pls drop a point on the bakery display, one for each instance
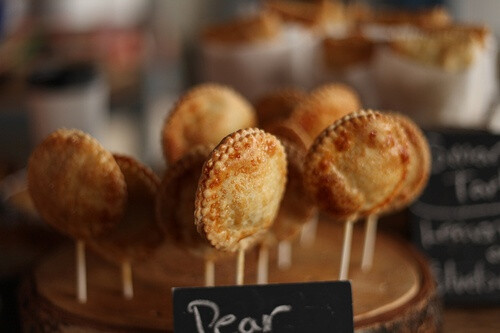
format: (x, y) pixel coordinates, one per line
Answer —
(276, 152)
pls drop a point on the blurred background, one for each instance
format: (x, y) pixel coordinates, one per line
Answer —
(113, 69)
(130, 58)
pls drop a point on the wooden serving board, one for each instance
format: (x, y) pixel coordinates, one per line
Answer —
(398, 294)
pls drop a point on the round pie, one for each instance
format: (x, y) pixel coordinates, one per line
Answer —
(324, 106)
(240, 189)
(357, 165)
(204, 116)
(76, 185)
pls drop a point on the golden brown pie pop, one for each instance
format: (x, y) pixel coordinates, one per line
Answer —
(78, 188)
(76, 185)
(357, 165)
(355, 168)
(203, 116)
(240, 190)
(324, 106)
(137, 234)
(175, 207)
(278, 105)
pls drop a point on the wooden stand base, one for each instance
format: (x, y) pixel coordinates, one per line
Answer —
(397, 295)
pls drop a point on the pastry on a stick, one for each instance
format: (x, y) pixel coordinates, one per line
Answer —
(239, 192)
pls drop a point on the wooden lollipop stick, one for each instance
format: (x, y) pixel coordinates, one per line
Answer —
(81, 272)
(127, 284)
(346, 248)
(240, 267)
(263, 264)
(369, 244)
(209, 273)
(284, 255)
(308, 232)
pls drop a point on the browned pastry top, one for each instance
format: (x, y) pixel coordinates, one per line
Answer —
(203, 116)
(452, 48)
(76, 185)
(240, 189)
(339, 53)
(357, 165)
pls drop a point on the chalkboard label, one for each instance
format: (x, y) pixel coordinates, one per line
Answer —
(299, 307)
(456, 221)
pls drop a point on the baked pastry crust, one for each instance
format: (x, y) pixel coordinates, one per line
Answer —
(324, 106)
(203, 116)
(452, 48)
(314, 15)
(357, 165)
(76, 185)
(340, 53)
(137, 235)
(240, 189)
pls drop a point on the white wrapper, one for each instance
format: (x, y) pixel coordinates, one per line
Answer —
(434, 97)
(256, 69)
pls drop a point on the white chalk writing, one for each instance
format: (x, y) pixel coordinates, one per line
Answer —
(214, 323)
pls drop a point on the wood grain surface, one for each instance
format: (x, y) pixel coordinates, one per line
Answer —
(397, 295)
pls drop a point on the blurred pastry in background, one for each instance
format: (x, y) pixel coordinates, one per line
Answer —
(203, 116)
(278, 105)
(324, 106)
(442, 77)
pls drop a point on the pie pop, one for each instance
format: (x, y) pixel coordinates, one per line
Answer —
(239, 191)
(354, 168)
(78, 188)
(204, 116)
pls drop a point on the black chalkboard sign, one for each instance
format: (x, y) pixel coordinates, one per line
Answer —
(300, 307)
(456, 221)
